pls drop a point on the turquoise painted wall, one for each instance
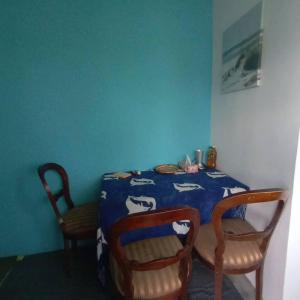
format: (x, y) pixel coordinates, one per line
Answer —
(96, 86)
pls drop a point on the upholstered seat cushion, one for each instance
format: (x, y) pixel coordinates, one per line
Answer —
(155, 283)
(237, 255)
(81, 220)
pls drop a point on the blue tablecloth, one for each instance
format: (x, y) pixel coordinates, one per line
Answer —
(150, 191)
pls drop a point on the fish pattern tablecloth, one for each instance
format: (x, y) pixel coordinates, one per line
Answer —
(150, 191)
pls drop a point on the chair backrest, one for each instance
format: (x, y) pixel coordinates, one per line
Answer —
(152, 219)
(63, 192)
(249, 197)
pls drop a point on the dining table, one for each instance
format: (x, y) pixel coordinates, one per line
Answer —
(150, 190)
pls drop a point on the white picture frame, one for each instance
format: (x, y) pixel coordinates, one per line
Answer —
(242, 51)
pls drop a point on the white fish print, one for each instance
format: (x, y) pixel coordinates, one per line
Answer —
(100, 241)
(185, 187)
(139, 204)
(229, 191)
(141, 181)
(180, 173)
(181, 227)
(215, 174)
(110, 177)
(103, 194)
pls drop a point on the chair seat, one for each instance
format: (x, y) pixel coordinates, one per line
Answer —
(154, 283)
(237, 255)
(81, 221)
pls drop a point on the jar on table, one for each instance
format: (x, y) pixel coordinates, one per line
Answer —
(211, 157)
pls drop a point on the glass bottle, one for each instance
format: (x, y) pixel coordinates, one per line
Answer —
(211, 157)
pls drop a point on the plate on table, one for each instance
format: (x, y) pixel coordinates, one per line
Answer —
(167, 169)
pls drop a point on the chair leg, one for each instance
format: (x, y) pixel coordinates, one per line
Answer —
(183, 295)
(67, 257)
(218, 282)
(259, 282)
(185, 268)
(74, 245)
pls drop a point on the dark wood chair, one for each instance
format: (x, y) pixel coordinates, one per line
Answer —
(233, 246)
(78, 223)
(153, 268)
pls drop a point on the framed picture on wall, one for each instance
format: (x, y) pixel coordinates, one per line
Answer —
(242, 49)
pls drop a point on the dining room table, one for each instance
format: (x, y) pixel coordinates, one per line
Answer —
(150, 190)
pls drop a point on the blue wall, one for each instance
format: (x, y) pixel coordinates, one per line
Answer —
(95, 86)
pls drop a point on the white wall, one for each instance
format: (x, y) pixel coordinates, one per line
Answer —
(256, 130)
(291, 287)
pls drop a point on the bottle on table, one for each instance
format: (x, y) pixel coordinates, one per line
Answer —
(198, 158)
(211, 157)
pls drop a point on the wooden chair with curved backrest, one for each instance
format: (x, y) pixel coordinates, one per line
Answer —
(79, 223)
(153, 268)
(233, 246)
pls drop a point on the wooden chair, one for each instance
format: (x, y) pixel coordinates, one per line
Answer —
(79, 223)
(233, 246)
(153, 268)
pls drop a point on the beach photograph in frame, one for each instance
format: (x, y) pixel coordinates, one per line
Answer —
(242, 48)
